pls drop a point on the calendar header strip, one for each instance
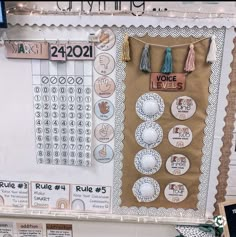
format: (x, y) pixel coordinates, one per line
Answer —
(27, 49)
(80, 50)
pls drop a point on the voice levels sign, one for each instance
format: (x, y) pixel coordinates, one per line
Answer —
(167, 82)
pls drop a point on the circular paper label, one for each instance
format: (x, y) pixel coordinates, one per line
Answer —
(177, 164)
(103, 153)
(106, 39)
(104, 132)
(180, 136)
(104, 109)
(183, 107)
(175, 192)
(104, 64)
(104, 86)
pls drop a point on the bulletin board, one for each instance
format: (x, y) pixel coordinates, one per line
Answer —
(197, 79)
(74, 136)
(126, 203)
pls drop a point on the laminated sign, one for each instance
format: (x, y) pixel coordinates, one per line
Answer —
(167, 82)
(26, 49)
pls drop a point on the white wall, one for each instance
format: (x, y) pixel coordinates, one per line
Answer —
(107, 229)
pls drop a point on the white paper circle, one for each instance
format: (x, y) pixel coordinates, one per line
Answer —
(180, 136)
(147, 161)
(176, 192)
(150, 106)
(177, 164)
(149, 134)
(183, 108)
(146, 189)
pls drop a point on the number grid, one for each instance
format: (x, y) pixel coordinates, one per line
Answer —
(63, 112)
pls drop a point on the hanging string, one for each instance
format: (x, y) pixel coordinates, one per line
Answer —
(168, 46)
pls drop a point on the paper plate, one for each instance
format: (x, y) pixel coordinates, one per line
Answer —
(146, 189)
(149, 134)
(150, 106)
(147, 161)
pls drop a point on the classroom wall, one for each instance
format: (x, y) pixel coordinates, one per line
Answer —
(107, 229)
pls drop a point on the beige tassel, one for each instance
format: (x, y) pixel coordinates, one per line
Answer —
(126, 50)
(190, 62)
(211, 57)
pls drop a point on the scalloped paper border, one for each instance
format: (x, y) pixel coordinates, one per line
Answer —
(119, 21)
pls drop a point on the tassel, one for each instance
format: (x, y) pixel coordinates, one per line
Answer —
(145, 65)
(126, 50)
(190, 62)
(167, 66)
(211, 57)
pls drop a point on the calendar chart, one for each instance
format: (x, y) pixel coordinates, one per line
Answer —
(63, 100)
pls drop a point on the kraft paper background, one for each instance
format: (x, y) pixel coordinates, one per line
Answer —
(137, 83)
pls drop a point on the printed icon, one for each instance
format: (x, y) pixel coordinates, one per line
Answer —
(104, 64)
(180, 136)
(104, 132)
(104, 109)
(177, 164)
(104, 87)
(78, 204)
(106, 39)
(176, 192)
(183, 107)
(104, 61)
(103, 153)
(62, 203)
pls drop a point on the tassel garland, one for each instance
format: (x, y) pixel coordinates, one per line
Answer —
(190, 62)
(167, 66)
(126, 50)
(211, 57)
(145, 65)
